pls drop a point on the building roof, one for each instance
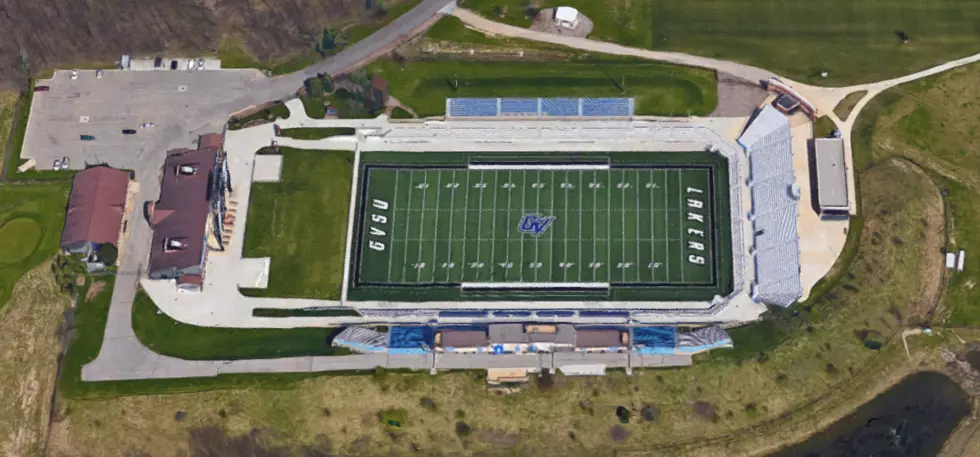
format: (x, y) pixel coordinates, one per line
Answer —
(211, 140)
(598, 338)
(95, 207)
(182, 211)
(516, 334)
(566, 14)
(462, 338)
(831, 173)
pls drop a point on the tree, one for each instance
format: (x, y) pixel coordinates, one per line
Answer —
(107, 253)
(315, 89)
(329, 40)
(327, 83)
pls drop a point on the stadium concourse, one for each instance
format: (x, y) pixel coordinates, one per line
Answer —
(560, 147)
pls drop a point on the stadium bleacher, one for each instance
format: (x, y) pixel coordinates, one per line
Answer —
(774, 215)
(540, 107)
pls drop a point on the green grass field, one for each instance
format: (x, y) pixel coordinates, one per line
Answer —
(639, 223)
(854, 40)
(31, 219)
(623, 225)
(301, 223)
(659, 89)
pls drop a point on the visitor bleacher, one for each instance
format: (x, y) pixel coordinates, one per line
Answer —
(540, 107)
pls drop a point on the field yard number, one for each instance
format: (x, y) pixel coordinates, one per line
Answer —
(695, 206)
(380, 220)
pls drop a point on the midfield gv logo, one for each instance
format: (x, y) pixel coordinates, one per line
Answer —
(535, 224)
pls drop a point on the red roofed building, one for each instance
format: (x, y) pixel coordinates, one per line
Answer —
(95, 209)
(186, 220)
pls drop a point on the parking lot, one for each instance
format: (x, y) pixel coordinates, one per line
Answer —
(104, 107)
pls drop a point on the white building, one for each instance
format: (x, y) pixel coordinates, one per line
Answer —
(566, 16)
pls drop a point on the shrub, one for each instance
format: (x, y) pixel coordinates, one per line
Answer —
(623, 413)
(108, 254)
(463, 429)
(393, 417)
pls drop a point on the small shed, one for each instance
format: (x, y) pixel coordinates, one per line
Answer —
(567, 17)
(831, 178)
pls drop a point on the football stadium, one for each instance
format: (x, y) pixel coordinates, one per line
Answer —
(572, 209)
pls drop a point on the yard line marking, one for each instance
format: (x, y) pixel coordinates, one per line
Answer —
(551, 240)
(666, 229)
(408, 224)
(507, 257)
(680, 215)
(435, 245)
(595, 246)
(537, 207)
(609, 225)
(653, 232)
(394, 213)
(564, 276)
(479, 228)
(523, 206)
(466, 206)
(622, 205)
(452, 209)
(580, 259)
(637, 171)
(425, 179)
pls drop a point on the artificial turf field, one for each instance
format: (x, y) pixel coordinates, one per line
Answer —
(632, 225)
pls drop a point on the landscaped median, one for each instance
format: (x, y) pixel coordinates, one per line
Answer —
(315, 133)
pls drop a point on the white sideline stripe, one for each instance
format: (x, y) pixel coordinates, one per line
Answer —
(535, 285)
(536, 167)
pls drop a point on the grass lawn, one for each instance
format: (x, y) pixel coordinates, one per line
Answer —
(843, 109)
(360, 31)
(315, 133)
(31, 219)
(854, 40)
(935, 122)
(29, 347)
(398, 113)
(659, 89)
(301, 223)
(279, 312)
(278, 110)
(166, 336)
(823, 127)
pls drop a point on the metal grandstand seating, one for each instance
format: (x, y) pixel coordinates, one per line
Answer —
(361, 339)
(540, 107)
(519, 107)
(607, 106)
(559, 107)
(774, 208)
(473, 107)
(703, 339)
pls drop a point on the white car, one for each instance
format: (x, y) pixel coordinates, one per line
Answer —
(65, 163)
(200, 63)
(98, 74)
(145, 125)
(56, 165)
(190, 64)
(74, 74)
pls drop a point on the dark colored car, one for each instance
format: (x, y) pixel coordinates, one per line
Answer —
(129, 131)
(42, 89)
(173, 64)
(158, 62)
(87, 137)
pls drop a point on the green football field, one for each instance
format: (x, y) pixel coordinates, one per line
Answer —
(643, 225)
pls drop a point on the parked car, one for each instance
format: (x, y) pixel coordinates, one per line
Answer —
(200, 63)
(41, 88)
(129, 131)
(87, 137)
(65, 163)
(158, 62)
(56, 165)
(146, 125)
(173, 64)
(98, 73)
(190, 64)
(74, 74)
